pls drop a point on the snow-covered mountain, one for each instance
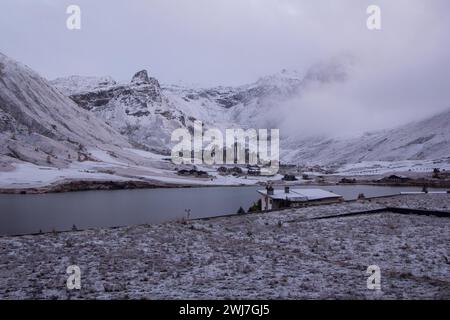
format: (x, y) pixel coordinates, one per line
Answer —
(46, 137)
(426, 139)
(138, 110)
(40, 125)
(47, 141)
(148, 112)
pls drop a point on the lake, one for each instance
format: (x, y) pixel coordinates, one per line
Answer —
(24, 214)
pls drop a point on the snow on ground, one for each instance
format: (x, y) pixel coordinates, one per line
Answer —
(27, 175)
(105, 157)
(133, 164)
(108, 166)
(384, 167)
(215, 180)
(274, 255)
(147, 154)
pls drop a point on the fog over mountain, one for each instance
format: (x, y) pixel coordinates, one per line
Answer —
(147, 113)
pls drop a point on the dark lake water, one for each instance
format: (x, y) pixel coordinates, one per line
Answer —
(23, 214)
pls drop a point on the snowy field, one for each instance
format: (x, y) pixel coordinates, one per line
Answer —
(141, 166)
(145, 166)
(384, 167)
(278, 255)
(137, 165)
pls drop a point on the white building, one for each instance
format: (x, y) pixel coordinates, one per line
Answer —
(276, 199)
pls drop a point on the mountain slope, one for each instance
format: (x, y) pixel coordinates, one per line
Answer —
(426, 139)
(40, 125)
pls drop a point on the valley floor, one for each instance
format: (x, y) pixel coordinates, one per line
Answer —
(144, 170)
(277, 255)
(149, 170)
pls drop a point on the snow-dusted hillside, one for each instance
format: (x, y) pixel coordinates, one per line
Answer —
(426, 139)
(40, 125)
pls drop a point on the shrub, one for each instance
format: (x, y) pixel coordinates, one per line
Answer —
(241, 210)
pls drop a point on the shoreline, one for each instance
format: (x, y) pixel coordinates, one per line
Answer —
(92, 185)
(98, 185)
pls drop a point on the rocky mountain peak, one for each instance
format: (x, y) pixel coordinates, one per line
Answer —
(140, 77)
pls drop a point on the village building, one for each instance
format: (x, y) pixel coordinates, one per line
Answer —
(235, 171)
(272, 199)
(253, 170)
(193, 173)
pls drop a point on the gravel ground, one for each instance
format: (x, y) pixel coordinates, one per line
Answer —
(278, 255)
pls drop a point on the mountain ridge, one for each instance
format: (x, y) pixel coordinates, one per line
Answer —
(247, 106)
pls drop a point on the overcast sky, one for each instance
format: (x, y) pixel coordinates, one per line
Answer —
(405, 66)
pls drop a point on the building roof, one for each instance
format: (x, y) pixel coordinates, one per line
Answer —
(300, 194)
